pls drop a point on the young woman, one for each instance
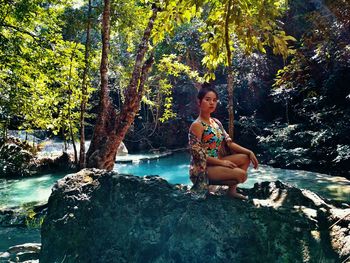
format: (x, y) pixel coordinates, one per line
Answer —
(209, 164)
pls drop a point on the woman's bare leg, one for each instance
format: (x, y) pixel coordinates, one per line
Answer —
(242, 161)
(221, 175)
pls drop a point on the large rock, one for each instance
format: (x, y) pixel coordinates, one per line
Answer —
(62, 163)
(14, 160)
(18, 159)
(97, 216)
(27, 215)
(122, 150)
(26, 253)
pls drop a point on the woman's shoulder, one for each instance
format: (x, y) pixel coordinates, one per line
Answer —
(196, 126)
(216, 120)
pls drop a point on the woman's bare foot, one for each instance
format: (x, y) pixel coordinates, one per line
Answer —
(212, 189)
(234, 194)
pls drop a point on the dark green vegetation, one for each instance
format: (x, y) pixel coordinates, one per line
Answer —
(18, 158)
(290, 105)
(15, 157)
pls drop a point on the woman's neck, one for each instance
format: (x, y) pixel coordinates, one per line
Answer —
(205, 117)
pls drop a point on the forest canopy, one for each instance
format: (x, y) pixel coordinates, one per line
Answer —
(274, 62)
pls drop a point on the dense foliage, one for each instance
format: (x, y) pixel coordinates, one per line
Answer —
(315, 89)
(292, 107)
(40, 71)
(15, 158)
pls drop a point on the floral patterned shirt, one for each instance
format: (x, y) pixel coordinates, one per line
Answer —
(209, 145)
(212, 137)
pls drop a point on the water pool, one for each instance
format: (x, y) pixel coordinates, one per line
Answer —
(11, 236)
(174, 169)
(15, 192)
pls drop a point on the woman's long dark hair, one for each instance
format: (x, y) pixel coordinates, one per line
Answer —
(206, 87)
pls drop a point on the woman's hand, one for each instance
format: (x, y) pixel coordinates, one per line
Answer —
(253, 159)
(227, 163)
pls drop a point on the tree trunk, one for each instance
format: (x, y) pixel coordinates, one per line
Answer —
(287, 115)
(65, 147)
(191, 61)
(110, 129)
(107, 115)
(69, 107)
(230, 72)
(74, 146)
(230, 89)
(82, 156)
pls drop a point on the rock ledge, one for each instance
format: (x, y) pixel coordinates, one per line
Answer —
(98, 216)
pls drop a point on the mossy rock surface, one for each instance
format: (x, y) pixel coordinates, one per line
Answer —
(98, 216)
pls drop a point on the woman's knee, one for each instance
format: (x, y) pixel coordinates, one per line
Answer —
(242, 175)
(242, 160)
(245, 161)
(245, 177)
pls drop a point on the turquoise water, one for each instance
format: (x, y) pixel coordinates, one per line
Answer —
(20, 191)
(25, 190)
(12, 236)
(175, 170)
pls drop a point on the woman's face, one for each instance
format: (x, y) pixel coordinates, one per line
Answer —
(209, 102)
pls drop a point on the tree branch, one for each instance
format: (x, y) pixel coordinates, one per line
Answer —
(144, 73)
(143, 47)
(21, 30)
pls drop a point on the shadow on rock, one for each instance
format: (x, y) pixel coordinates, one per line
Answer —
(98, 216)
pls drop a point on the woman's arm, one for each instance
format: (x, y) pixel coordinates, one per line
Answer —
(236, 147)
(219, 162)
(239, 149)
(197, 129)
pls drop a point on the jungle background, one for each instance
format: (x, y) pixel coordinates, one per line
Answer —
(291, 105)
